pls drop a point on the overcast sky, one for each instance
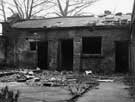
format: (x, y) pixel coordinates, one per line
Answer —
(114, 6)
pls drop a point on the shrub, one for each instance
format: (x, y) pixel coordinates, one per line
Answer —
(130, 80)
(76, 89)
(8, 96)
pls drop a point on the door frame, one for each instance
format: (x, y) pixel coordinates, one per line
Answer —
(127, 54)
(59, 53)
(46, 45)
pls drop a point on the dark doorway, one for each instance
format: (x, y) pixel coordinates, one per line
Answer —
(66, 54)
(43, 55)
(121, 56)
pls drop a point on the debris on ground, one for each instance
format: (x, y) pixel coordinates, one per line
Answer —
(130, 81)
(105, 80)
(88, 72)
(75, 83)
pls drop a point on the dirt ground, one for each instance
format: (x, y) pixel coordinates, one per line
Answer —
(115, 91)
(38, 94)
(110, 89)
(47, 86)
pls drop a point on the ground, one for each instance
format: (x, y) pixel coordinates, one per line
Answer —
(110, 89)
(108, 92)
(38, 94)
(47, 86)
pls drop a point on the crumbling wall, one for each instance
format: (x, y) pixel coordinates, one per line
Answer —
(19, 48)
(52, 54)
(10, 35)
(24, 57)
(18, 51)
(77, 54)
(2, 50)
(105, 62)
(54, 36)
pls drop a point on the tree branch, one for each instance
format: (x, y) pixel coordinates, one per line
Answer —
(58, 14)
(25, 7)
(41, 3)
(66, 8)
(72, 10)
(11, 10)
(3, 10)
(60, 7)
(80, 9)
(18, 9)
(31, 9)
(37, 12)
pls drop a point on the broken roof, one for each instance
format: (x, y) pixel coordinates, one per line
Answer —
(57, 22)
(80, 21)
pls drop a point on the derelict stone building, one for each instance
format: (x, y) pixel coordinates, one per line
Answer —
(71, 43)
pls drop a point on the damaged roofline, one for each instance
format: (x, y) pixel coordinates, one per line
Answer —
(94, 27)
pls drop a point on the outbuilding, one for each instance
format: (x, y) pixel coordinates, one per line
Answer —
(70, 43)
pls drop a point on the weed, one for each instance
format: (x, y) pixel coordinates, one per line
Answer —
(8, 96)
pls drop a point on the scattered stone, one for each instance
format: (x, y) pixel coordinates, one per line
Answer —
(36, 79)
(88, 72)
(37, 68)
(30, 72)
(25, 71)
(49, 84)
(29, 77)
(52, 79)
(21, 80)
(9, 78)
(105, 80)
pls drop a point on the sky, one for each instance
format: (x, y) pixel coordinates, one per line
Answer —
(114, 6)
(124, 6)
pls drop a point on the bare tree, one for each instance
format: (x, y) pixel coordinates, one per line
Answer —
(70, 7)
(27, 8)
(30, 8)
(2, 10)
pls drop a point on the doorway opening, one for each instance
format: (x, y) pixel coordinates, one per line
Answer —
(66, 54)
(43, 55)
(121, 57)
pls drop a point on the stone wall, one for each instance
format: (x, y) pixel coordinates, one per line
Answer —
(20, 49)
(104, 62)
(2, 50)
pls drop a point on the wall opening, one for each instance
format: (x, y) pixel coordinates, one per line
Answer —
(121, 57)
(43, 55)
(32, 45)
(1, 29)
(66, 54)
(91, 45)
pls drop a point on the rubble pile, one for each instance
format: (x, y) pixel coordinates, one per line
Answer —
(9, 78)
(74, 82)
